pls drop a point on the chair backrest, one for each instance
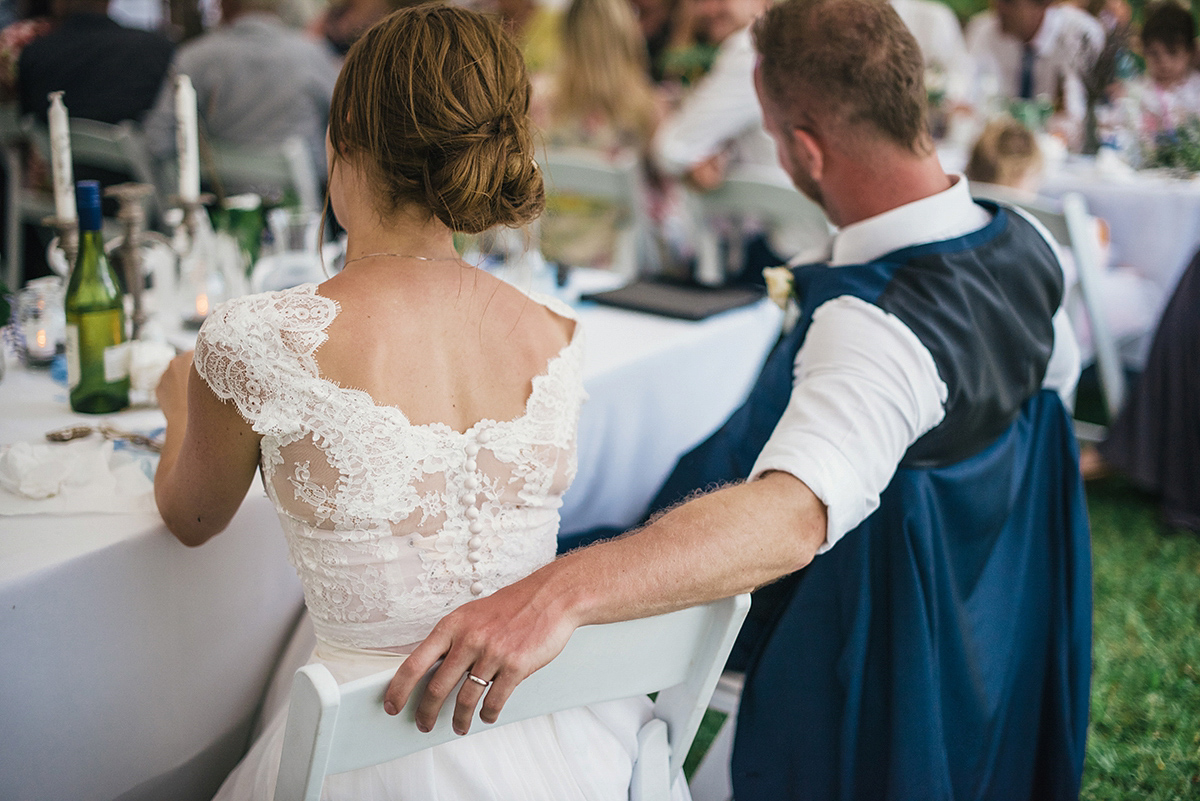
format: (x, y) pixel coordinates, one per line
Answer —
(759, 195)
(593, 174)
(1068, 222)
(332, 729)
(263, 170)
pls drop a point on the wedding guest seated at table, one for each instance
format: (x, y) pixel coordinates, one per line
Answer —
(437, 479)
(1026, 49)
(599, 100)
(718, 123)
(1007, 155)
(1155, 440)
(1169, 94)
(258, 83)
(535, 28)
(107, 72)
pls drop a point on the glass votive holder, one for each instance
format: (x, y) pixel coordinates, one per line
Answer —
(42, 320)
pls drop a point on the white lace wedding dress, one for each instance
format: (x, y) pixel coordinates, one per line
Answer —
(390, 526)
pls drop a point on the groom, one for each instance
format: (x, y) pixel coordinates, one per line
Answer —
(904, 464)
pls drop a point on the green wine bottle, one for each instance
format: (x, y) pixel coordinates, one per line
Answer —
(97, 353)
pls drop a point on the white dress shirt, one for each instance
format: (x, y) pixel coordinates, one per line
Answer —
(1065, 48)
(865, 387)
(720, 113)
(940, 37)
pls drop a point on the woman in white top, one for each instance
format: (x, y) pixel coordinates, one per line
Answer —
(414, 418)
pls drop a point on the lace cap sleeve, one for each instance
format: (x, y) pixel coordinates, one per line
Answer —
(256, 351)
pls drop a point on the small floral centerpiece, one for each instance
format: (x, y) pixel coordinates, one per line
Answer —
(1176, 149)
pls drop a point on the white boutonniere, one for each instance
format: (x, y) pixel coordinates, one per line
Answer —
(779, 285)
(782, 291)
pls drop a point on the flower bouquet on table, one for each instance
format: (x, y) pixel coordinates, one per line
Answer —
(1176, 149)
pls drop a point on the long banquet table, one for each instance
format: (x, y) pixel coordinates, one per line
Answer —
(132, 666)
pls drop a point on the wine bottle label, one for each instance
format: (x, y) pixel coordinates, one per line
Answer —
(72, 356)
(116, 362)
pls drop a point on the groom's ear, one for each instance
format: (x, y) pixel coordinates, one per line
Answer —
(810, 151)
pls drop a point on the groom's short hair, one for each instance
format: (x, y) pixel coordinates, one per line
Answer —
(852, 60)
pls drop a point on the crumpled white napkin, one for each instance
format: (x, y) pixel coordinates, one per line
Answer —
(84, 476)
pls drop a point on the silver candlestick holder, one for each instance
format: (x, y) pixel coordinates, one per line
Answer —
(68, 238)
(131, 213)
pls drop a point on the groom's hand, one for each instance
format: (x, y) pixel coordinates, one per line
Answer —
(500, 640)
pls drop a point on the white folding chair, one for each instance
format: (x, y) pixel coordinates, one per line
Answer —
(1069, 224)
(712, 780)
(749, 194)
(332, 729)
(266, 170)
(593, 175)
(119, 148)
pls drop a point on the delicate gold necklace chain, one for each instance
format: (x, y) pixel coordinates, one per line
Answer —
(396, 255)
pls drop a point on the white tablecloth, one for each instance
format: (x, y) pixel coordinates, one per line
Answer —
(131, 666)
(1153, 219)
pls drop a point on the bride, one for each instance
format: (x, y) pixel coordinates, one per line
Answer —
(413, 417)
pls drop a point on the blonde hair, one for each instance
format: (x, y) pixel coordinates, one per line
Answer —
(435, 100)
(603, 68)
(1005, 154)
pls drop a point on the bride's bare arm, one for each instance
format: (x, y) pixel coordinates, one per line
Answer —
(729, 541)
(208, 457)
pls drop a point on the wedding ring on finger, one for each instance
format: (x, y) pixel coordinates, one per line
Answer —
(477, 680)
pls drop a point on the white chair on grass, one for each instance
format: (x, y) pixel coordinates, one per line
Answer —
(1068, 222)
(593, 175)
(332, 729)
(759, 196)
(712, 780)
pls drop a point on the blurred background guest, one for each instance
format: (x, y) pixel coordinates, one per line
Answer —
(719, 123)
(107, 73)
(33, 21)
(258, 83)
(1032, 48)
(1169, 93)
(937, 31)
(599, 99)
(536, 30)
(1155, 440)
(341, 23)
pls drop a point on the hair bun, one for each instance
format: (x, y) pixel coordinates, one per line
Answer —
(436, 100)
(487, 178)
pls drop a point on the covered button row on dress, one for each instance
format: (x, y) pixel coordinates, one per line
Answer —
(469, 497)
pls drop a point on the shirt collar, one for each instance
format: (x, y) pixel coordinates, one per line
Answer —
(948, 214)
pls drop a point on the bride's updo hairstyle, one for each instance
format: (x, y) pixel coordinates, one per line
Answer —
(434, 101)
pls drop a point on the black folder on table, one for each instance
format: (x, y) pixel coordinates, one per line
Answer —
(672, 299)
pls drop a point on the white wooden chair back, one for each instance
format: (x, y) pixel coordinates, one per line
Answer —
(594, 175)
(332, 729)
(265, 169)
(749, 194)
(1068, 222)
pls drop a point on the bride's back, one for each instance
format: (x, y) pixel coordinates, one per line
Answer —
(452, 345)
(428, 134)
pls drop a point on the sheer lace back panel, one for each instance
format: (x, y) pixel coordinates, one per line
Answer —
(390, 525)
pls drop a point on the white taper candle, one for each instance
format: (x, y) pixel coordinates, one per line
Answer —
(60, 159)
(187, 140)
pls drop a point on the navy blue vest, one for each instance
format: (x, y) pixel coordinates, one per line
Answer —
(942, 649)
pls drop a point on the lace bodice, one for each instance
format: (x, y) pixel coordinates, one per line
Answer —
(390, 525)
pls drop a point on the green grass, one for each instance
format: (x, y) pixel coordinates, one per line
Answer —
(1144, 739)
